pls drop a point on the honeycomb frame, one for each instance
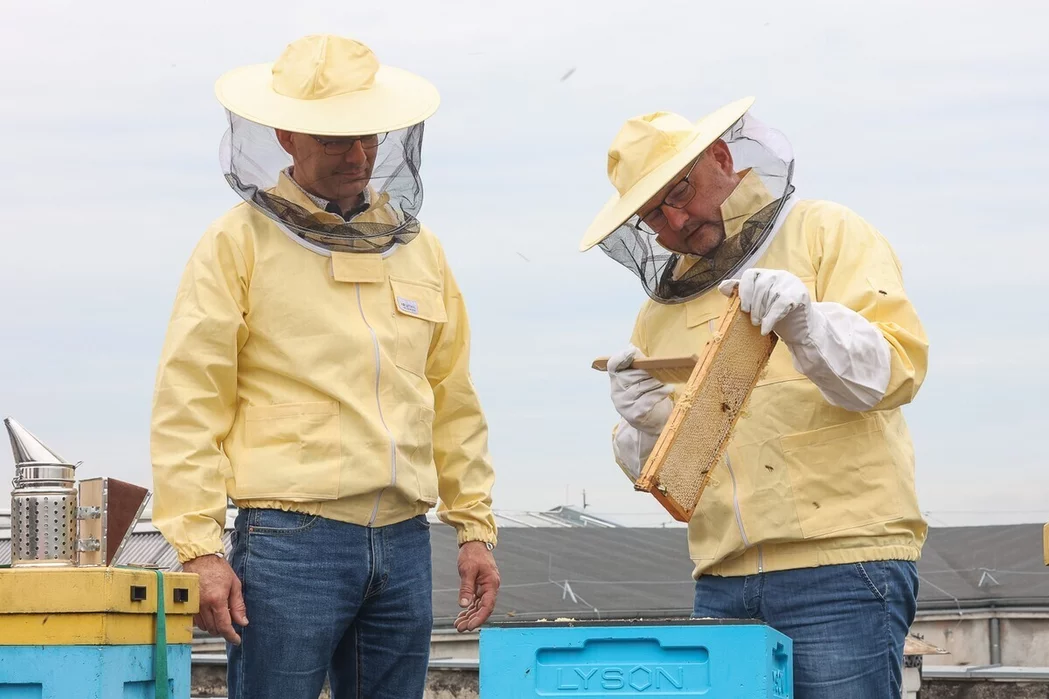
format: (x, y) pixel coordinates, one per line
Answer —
(701, 424)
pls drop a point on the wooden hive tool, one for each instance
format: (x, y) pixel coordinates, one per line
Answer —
(664, 369)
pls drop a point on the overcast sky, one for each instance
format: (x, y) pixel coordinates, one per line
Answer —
(927, 118)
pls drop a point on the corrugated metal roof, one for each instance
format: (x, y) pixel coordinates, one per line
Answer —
(564, 516)
(584, 573)
(147, 547)
(152, 549)
(997, 565)
(592, 571)
(143, 548)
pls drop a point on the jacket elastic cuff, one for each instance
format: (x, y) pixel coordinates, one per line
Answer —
(476, 533)
(187, 552)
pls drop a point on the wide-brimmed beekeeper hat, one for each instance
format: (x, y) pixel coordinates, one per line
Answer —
(648, 153)
(327, 85)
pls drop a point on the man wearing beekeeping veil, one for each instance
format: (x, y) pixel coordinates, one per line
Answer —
(810, 522)
(316, 371)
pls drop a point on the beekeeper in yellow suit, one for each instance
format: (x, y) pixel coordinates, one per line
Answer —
(811, 522)
(316, 371)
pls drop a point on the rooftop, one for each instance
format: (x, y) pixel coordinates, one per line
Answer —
(564, 562)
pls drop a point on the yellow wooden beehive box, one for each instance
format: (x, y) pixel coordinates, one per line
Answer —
(93, 606)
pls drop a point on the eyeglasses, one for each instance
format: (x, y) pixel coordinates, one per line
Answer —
(679, 196)
(343, 144)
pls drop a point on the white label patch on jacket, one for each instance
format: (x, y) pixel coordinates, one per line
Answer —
(408, 306)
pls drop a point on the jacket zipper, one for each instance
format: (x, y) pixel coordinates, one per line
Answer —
(378, 403)
(739, 514)
(735, 502)
(735, 498)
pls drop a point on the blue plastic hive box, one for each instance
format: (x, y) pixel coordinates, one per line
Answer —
(89, 672)
(713, 659)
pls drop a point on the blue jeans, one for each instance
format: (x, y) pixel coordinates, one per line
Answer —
(329, 598)
(847, 622)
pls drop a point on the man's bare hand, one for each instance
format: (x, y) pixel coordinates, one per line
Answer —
(221, 599)
(479, 585)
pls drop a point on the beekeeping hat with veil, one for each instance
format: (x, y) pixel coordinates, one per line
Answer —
(332, 89)
(654, 150)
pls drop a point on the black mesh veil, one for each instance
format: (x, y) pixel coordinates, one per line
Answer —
(258, 168)
(752, 213)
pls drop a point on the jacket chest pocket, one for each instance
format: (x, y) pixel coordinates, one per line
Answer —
(701, 322)
(418, 308)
